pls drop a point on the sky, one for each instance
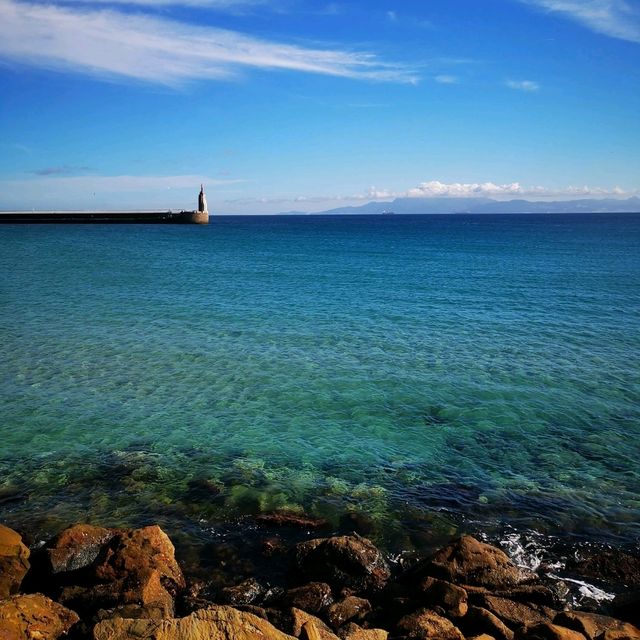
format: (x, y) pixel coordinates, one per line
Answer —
(305, 105)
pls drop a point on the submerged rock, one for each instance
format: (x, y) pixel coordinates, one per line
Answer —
(293, 520)
(343, 561)
(34, 617)
(14, 561)
(213, 623)
(247, 592)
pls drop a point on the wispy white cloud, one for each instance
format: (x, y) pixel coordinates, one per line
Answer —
(614, 18)
(446, 79)
(523, 85)
(154, 49)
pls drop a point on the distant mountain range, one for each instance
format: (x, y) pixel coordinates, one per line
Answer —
(487, 205)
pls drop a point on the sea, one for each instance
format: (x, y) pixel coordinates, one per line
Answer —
(408, 376)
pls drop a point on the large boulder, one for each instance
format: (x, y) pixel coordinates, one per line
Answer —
(592, 625)
(342, 561)
(132, 572)
(468, 561)
(14, 561)
(34, 617)
(425, 625)
(213, 623)
(353, 631)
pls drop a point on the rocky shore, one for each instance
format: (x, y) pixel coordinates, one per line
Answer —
(114, 584)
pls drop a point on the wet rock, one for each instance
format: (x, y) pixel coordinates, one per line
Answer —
(343, 561)
(352, 631)
(213, 623)
(469, 561)
(312, 598)
(34, 617)
(347, 609)
(451, 598)
(548, 631)
(77, 547)
(592, 625)
(517, 614)
(247, 592)
(293, 520)
(611, 566)
(479, 621)
(425, 624)
(14, 561)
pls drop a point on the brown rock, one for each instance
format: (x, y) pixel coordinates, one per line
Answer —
(482, 636)
(469, 561)
(548, 631)
(343, 561)
(593, 625)
(312, 598)
(213, 623)
(34, 617)
(301, 618)
(425, 624)
(140, 551)
(14, 561)
(352, 631)
(517, 614)
(349, 608)
(77, 547)
(480, 621)
(439, 593)
(623, 633)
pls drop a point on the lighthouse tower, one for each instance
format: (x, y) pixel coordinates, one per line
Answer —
(202, 201)
(201, 216)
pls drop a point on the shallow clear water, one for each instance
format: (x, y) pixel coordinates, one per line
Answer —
(436, 370)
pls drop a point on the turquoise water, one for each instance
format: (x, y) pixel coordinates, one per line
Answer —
(420, 372)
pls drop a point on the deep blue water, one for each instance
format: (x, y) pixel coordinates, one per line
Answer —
(419, 372)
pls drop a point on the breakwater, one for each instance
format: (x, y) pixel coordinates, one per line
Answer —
(102, 217)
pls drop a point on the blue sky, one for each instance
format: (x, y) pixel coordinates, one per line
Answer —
(281, 105)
